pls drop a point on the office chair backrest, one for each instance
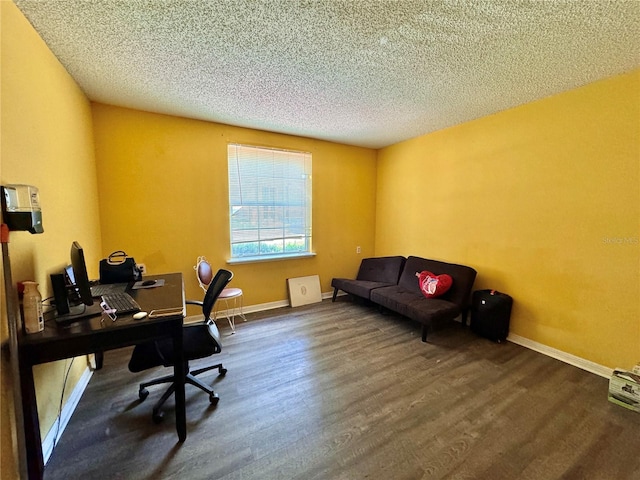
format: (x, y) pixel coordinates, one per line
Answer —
(219, 282)
(204, 273)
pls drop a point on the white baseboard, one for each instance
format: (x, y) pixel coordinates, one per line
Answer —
(568, 358)
(587, 365)
(327, 295)
(260, 307)
(281, 303)
(51, 439)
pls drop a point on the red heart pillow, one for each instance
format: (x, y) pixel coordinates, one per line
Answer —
(432, 285)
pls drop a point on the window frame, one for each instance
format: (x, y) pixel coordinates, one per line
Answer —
(285, 205)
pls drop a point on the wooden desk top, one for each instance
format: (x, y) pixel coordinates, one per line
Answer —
(89, 335)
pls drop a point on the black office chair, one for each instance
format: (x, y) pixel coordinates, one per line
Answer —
(199, 339)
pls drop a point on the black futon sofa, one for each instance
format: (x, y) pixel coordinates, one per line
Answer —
(391, 283)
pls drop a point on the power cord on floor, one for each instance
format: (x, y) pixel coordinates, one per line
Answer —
(64, 386)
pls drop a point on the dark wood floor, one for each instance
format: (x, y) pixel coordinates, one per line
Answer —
(339, 391)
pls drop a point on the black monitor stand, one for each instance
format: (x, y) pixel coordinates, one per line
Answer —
(65, 313)
(78, 312)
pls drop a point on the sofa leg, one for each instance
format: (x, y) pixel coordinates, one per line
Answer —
(424, 333)
(335, 292)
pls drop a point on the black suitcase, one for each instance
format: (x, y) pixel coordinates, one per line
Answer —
(490, 314)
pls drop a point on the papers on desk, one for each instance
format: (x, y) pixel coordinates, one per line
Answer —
(166, 312)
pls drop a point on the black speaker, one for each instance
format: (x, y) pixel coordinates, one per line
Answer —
(491, 314)
(60, 293)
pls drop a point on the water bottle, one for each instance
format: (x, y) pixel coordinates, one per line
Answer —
(32, 307)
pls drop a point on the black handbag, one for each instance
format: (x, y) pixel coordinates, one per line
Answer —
(119, 268)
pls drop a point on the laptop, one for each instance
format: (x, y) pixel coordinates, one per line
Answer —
(97, 289)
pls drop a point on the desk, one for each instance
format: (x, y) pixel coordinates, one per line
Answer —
(96, 334)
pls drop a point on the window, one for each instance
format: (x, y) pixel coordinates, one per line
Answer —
(269, 202)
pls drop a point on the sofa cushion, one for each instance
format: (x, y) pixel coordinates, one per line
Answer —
(432, 285)
(360, 288)
(463, 278)
(414, 305)
(381, 269)
(373, 273)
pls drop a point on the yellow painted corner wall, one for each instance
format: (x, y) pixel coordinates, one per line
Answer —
(47, 141)
(164, 199)
(544, 201)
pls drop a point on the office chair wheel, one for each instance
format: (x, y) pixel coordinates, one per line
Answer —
(143, 393)
(214, 399)
(223, 372)
(158, 416)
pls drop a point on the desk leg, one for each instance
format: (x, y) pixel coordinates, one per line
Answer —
(33, 441)
(179, 376)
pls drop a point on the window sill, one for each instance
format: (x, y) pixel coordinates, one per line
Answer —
(270, 258)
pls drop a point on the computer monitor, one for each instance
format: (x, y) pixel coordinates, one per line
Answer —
(80, 274)
(78, 283)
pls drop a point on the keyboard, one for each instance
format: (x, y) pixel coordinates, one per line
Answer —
(107, 289)
(122, 302)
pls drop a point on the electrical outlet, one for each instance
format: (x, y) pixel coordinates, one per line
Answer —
(358, 249)
(142, 267)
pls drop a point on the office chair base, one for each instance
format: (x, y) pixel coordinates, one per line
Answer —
(190, 379)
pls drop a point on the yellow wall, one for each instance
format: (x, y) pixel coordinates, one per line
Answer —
(47, 141)
(544, 201)
(164, 199)
(163, 193)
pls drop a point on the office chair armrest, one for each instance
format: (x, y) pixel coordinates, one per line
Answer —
(193, 302)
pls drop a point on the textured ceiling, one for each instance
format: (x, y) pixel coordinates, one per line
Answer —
(359, 72)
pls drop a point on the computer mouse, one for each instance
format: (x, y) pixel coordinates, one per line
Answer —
(139, 315)
(148, 283)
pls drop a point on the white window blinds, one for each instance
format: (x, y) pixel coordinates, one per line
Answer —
(269, 202)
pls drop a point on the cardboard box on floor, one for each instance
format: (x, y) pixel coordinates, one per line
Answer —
(624, 389)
